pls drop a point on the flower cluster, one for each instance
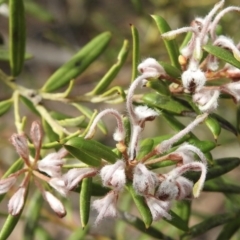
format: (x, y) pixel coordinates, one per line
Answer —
(197, 71)
(159, 190)
(40, 170)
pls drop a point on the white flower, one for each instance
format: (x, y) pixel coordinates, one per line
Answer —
(6, 184)
(233, 89)
(158, 208)
(114, 175)
(207, 100)
(106, 206)
(185, 187)
(75, 175)
(186, 151)
(16, 202)
(144, 181)
(168, 189)
(55, 204)
(151, 65)
(145, 113)
(59, 185)
(193, 79)
(51, 165)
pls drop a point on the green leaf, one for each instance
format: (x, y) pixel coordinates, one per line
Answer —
(160, 86)
(209, 223)
(33, 215)
(229, 229)
(214, 127)
(177, 221)
(145, 147)
(85, 200)
(112, 72)
(91, 148)
(171, 45)
(164, 103)
(219, 186)
(141, 206)
(135, 51)
(83, 156)
(5, 105)
(225, 124)
(30, 105)
(204, 146)
(78, 63)
(184, 210)
(222, 54)
(52, 136)
(171, 70)
(219, 167)
(17, 36)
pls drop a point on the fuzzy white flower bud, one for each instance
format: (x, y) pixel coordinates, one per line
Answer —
(75, 175)
(55, 204)
(51, 165)
(207, 100)
(6, 184)
(185, 187)
(106, 206)
(145, 113)
(158, 208)
(151, 65)
(233, 89)
(114, 175)
(144, 181)
(16, 202)
(193, 79)
(59, 185)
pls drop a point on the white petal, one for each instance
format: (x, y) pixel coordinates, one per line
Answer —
(16, 202)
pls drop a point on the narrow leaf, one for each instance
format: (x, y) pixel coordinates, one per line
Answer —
(135, 51)
(171, 45)
(222, 54)
(229, 229)
(209, 223)
(85, 200)
(164, 103)
(218, 186)
(17, 36)
(79, 62)
(145, 147)
(141, 206)
(112, 72)
(5, 105)
(92, 148)
(214, 127)
(177, 221)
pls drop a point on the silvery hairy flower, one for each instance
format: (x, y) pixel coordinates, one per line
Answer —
(206, 99)
(75, 175)
(114, 175)
(106, 206)
(232, 88)
(16, 202)
(55, 204)
(158, 208)
(151, 65)
(193, 79)
(144, 180)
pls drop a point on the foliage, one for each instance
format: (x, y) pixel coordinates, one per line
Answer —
(159, 175)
